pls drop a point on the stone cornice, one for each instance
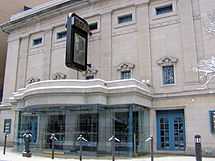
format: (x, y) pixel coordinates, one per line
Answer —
(5, 107)
(102, 87)
(196, 92)
(41, 12)
(82, 87)
(57, 7)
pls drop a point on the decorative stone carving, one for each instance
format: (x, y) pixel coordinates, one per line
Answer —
(59, 75)
(32, 80)
(167, 60)
(91, 71)
(210, 22)
(125, 67)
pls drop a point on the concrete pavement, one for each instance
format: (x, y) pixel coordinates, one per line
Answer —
(14, 156)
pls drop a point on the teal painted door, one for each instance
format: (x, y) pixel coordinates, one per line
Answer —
(170, 130)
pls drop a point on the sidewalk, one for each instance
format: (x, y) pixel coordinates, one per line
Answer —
(13, 156)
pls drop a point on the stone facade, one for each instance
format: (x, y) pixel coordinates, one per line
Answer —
(6, 10)
(155, 37)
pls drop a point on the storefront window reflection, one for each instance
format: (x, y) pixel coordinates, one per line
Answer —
(129, 123)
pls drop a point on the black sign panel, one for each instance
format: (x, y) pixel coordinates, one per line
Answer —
(7, 126)
(77, 42)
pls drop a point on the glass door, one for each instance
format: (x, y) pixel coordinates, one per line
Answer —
(29, 123)
(179, 135)
(164, 132)
(89, 129)
(56, 125)
(171, 130)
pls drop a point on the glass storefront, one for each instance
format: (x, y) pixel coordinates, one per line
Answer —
(97, 123)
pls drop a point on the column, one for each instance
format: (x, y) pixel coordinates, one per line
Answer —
(42, 126)
(70, 129)
(22, 63)
(188, 41)
(105, 130)
(130, 131)
(16, 129)
(47, 54)
(143, 37)
(106, 52)
(11, 67)
(198, 29)
(141, 132)
(152, 126)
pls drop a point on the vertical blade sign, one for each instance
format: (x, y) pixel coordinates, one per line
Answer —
(77, 42)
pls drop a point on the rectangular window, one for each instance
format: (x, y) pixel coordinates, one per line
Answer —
(37, 41)
(7, 126)
(125, 18)
(168, 74)
(93, 26)
(212, 121)
(126, 74)
(61, 35)
(164, 9)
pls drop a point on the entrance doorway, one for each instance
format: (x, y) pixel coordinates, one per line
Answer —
(56, 125)
(29, 123)
(171, 130)
(89, 129)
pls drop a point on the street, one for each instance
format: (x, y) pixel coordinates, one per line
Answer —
(14, 156)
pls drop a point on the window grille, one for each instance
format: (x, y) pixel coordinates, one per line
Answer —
(126, 74)
(168, 75)
(212, 121)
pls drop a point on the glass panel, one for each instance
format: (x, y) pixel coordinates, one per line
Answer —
(164, 9)
(56, 125)
(164, 132)
(61, 35)
(125, 18)
(96, 123)
(212, 121)
(171, 134)
(168, 74)
(29, 123)
(79, 49)
(37, 41)
(89, 129)
(93, 26)
(179, 133)
(126, 74)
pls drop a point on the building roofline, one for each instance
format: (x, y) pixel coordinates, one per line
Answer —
(39, 11)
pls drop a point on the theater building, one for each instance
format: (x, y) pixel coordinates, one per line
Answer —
(139, 82)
